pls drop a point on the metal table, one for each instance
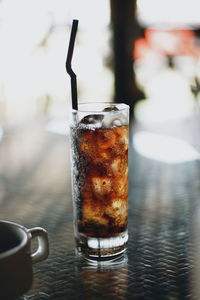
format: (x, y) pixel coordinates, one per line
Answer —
(162, 260)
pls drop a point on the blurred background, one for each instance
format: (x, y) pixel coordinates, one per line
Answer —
(144, 53)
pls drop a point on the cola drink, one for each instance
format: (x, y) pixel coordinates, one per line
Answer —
(99, 141)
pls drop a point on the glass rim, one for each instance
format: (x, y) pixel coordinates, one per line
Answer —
(103, 104)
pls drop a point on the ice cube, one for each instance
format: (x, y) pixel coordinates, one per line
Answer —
(122, 138)
(101, 185)
(116, 167)
(118, 208)
(93, 214)
(114, 119)
(106, 139)
(92, 121)
(111, 108)
(121, 186)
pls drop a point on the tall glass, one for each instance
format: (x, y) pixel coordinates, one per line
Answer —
(99, 160)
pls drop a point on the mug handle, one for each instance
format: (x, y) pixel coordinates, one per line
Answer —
(42, 251)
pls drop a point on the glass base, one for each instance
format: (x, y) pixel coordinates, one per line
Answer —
(100, 249)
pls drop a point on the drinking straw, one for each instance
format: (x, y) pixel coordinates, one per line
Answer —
(68, 64)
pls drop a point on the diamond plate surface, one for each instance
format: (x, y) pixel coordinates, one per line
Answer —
(162, 260)
(160, 251)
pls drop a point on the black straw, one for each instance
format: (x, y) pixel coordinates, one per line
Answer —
(68, 65)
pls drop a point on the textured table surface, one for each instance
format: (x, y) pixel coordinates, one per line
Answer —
(163, 257)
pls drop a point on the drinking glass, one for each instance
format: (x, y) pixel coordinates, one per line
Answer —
(99, 163)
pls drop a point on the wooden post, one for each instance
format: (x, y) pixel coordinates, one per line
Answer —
(125, 30)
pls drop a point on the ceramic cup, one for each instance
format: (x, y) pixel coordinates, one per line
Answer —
(16, 257)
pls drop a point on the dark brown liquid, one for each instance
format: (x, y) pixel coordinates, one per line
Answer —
(8, 240)
(103, 183)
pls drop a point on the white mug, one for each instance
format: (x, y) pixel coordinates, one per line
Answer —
(16, 258)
